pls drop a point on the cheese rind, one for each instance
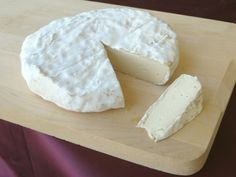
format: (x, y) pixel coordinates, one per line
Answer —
(107, 96)
(178, 105)
(66, 62)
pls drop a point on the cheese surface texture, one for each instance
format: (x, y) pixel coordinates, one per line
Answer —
(66, 62)
(178, 105)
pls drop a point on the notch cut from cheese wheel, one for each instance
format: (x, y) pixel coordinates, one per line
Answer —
(65, 62)
(139, 67)
(180, 103)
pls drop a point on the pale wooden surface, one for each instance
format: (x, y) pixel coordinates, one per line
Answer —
(207, 48)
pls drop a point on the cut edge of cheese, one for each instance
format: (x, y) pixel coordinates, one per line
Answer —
(180, 103)
(141, 67)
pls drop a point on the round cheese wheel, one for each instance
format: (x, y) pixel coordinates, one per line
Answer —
(69, 61)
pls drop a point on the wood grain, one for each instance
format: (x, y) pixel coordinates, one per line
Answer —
(207, 49)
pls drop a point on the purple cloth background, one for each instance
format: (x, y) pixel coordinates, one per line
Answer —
(27, 153)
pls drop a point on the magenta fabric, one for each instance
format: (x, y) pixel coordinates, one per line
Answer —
(6, 169)
(14, 157)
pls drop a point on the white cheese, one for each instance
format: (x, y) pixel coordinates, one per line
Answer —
(140, 67)
(178, 105)
(66, 61)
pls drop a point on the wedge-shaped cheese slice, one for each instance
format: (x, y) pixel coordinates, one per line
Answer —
(66, 61)
(178, 105)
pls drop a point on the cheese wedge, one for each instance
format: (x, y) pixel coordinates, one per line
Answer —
(66, 61)
(178, 105)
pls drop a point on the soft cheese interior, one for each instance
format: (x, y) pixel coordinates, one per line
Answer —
(140, 67)
(178, 105)
(66, 62)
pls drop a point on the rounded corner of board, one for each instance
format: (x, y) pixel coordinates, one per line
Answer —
(186, 167)
(192, 166)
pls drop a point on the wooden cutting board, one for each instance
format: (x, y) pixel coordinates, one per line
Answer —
(207, 50)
